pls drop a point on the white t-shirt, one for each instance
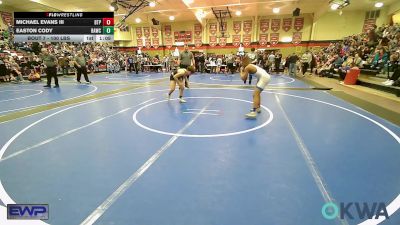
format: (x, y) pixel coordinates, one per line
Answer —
(219, 61)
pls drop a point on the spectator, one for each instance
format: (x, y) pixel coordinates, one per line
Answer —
(380, 59)
(252, 56)
(286, 65)
(63, 62)
(358, 60)
(16, 74)
(292, 64)
(201, 62)
(50, 62)
(271, 61)
(219, 64)
(313, 63)
(306, 61)
(346, 67)
(33, 76)
(278, 60)
(393, 77)
(186, 59)
(80, 65)
(3, 69)
(230, 60)
(132, 63)
(253, 59)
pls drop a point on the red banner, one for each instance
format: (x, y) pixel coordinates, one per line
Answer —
(236, 39)
(263, 40)
(167, 30)
(222, 41)
(168, 42)
(275, 24)
(156, 43)
(139, 33)
(147, 43)
(368, 25)
(197, 29)
(287, 24)
(246, 40)
(7, 18)
(298, 23)
(139, 42)
(296, 38)
(223, 27)
(247, 26)
(183, 36)
(213, 41)
(237, 26)
(198, 42)
(154, 32)
(264, 25)
(146, 31)
(213, 28)
(274, 38)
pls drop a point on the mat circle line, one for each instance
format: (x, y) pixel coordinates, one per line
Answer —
(136, 121)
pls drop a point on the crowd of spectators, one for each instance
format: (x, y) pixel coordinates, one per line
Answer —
(24, 60)
(376, 51)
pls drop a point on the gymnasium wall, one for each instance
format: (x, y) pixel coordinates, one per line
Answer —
(314, 34)
(123, 38)
(396, 18)
(2, 25)
(332, 26)
(394, 8)
(5, 9)
(189, 26)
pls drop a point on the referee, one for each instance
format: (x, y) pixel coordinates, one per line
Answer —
(185, 60)
(80, 65)
(50, 64)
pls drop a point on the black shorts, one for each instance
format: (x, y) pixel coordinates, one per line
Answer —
(171, 78)
(183, 66)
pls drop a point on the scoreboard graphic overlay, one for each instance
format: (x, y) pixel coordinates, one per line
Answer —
(63, 26)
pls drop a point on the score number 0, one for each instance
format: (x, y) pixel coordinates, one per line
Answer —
(108, 21)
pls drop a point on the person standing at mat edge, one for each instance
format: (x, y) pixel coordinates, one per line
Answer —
(179, 77)
(133, 63)
(185, 60)
(253, 59)
(263, 79)
(292, 64)
(50, 64)
(80, 65)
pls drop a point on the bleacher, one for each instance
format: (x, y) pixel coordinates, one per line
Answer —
(375, 82)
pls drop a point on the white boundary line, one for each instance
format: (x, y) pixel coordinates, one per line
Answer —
(244, 85)
(395, 204)
(208, 110)
(216, 76)
(312, 166)
(134, 118)
(69, 132)
(28, 107)
(4, 197)
(27, 96)
(102, 208)
(392, 207)
(17, 90)
(126, 77)
(204, 113)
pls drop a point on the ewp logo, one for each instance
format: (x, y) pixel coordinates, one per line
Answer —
(27, 211)
(331, 211)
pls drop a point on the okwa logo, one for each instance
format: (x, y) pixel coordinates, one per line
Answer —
(352, 210)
